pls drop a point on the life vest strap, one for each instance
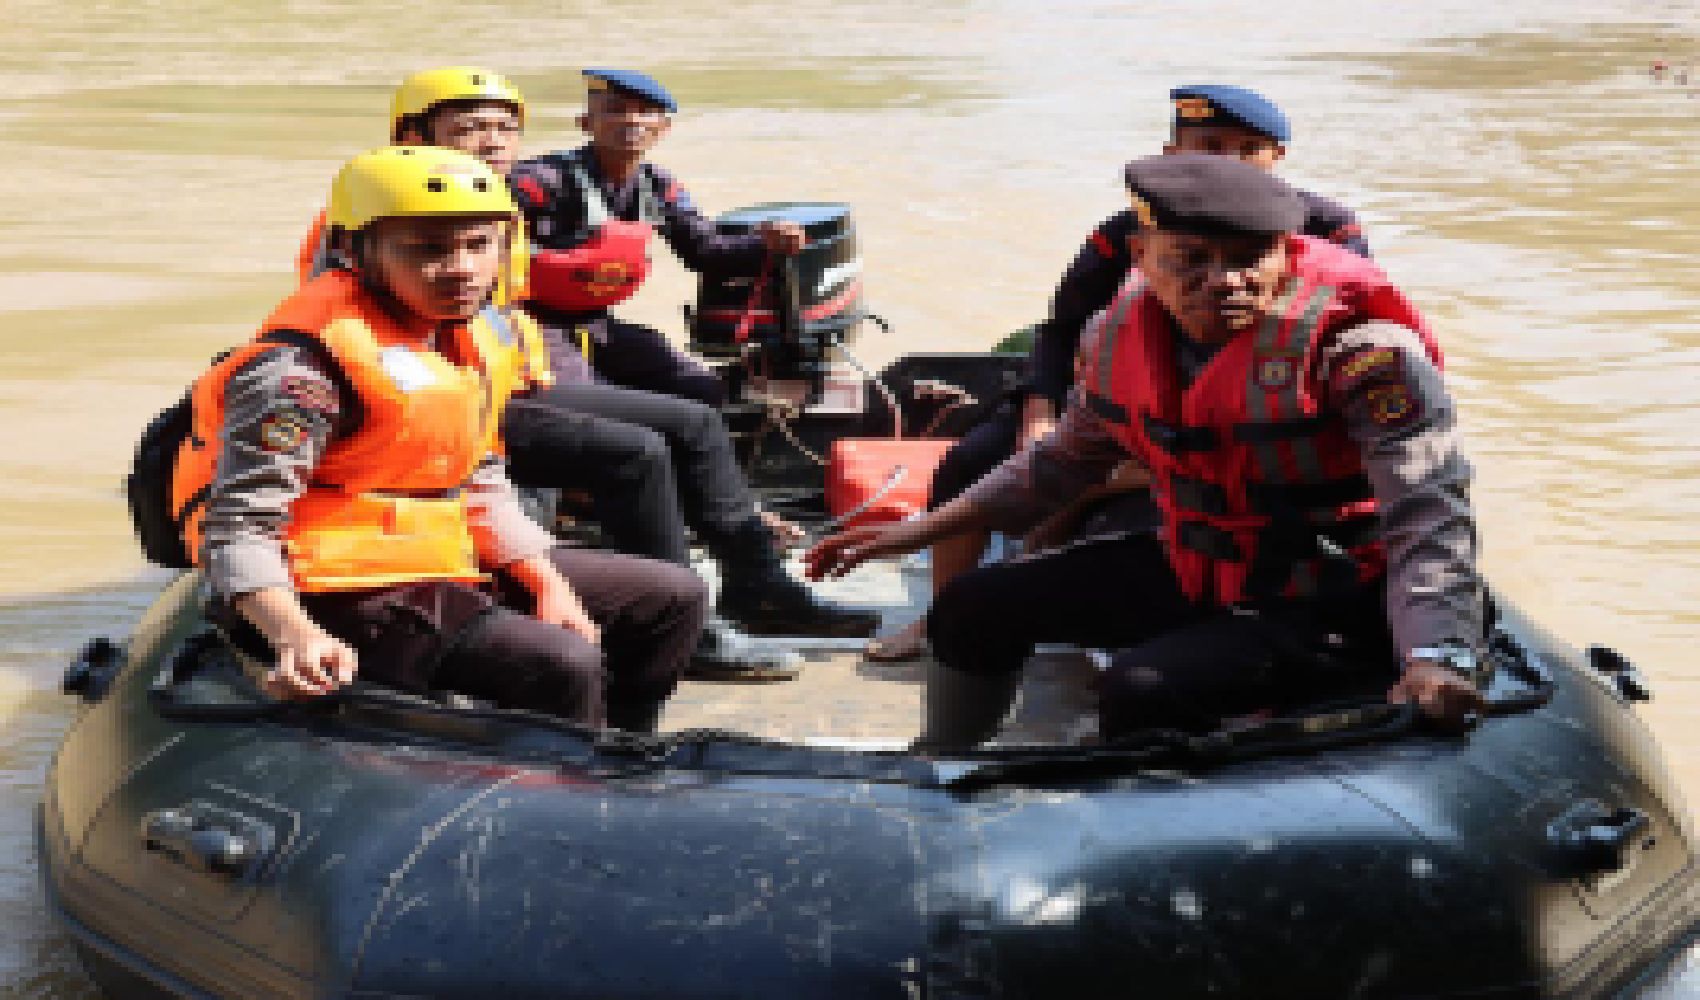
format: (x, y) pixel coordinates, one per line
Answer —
(1280, 546)
(1208, 540)
(1179, 439)
(1106, 407)
(1269, 431)
(1204, 497)
(1291, 541)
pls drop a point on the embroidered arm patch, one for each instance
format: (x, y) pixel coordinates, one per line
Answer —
(283, 432)
(1374, 364)
(311, 394)
(1393, 405)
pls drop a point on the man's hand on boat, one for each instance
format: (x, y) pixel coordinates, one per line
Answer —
(1441, 694)
(310, 661)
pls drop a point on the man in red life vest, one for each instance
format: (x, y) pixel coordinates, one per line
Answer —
(593, 213)
(1214, 118)
(1286, 403)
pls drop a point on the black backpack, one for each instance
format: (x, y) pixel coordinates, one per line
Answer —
(159, 528)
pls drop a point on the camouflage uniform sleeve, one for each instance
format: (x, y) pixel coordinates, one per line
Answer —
(501, 531)
(1047, 475)
(280, 410)
(1400, 415)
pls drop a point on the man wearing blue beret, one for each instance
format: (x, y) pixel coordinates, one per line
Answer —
(591, 211)
(1282, 405)
(1209, 118)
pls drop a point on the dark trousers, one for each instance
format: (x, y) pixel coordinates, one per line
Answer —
(626, 354)
(986, 445)
(483, 642)
(1182, 665)
(651, 463)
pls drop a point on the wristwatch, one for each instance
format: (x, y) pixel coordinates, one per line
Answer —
(1456, 657)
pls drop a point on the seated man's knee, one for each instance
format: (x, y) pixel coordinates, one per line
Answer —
(682, 588)
(645, 453)
(1134, 694)
(703, 387)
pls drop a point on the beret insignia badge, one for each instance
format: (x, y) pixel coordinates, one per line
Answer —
(1194, 109)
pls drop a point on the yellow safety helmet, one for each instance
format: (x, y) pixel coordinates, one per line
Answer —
(415, 181)
(422, 91)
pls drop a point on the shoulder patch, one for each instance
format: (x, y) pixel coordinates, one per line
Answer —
(311, 393)
(1366, 363)
(1393, 405)
(283, 432)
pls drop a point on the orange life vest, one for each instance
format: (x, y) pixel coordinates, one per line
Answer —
(609, 258)
(315, 258)
(1262, 492)
(384, 504)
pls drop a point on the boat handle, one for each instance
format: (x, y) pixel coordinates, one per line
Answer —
(211, 841)
(1599, 839)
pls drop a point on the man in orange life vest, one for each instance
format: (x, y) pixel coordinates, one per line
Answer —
(346, 500)
(1208, 118)
(652, 463)
(1286, 402)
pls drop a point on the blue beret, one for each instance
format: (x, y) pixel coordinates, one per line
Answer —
(1212, 196)
(630, 81)
(1220, 104)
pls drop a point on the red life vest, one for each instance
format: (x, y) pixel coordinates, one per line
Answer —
(1262, 492)
(609, 258)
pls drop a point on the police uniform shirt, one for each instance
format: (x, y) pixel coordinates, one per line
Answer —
(1104, 260)
(281, 410)
(1380, 380)
(555, 210)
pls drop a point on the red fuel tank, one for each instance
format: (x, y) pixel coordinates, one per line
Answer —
(858, 469)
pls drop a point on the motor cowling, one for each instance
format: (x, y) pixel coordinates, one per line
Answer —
(810, 301)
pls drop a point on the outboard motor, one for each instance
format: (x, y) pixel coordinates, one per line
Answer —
(780, 332)
(818, 433)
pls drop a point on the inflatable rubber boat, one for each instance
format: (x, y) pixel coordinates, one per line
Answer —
(200, 840)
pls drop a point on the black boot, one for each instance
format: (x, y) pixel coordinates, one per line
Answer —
(963, 710)
(762, 598)
(722, 656)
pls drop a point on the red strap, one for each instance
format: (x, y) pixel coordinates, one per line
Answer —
(748, 319)
(1103, 244)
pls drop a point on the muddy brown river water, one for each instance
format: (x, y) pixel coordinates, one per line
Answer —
(1517, 168)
